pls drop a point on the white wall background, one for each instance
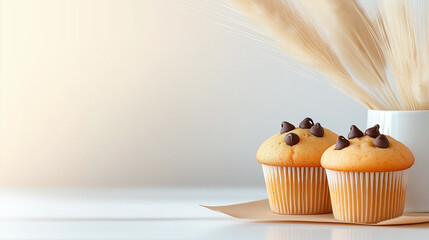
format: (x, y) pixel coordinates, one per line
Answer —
(142, 93)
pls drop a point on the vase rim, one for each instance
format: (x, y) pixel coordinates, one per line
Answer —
(398, 111)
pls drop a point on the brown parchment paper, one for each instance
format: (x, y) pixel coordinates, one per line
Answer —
(260, 211)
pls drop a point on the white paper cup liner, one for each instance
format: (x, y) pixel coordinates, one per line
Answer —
(297, 190)
(367, 197)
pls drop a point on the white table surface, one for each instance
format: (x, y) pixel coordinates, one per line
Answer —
(160, 214)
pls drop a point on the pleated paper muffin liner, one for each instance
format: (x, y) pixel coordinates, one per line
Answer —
(367, 197)
(297, 190)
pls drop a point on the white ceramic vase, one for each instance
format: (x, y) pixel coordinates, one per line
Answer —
(412, 129)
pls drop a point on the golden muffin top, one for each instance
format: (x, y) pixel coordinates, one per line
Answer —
(296, 147)
(369, 152)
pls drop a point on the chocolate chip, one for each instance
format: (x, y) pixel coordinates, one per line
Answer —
(354, 132)
(381, 141)
(291, 139)
(373, 132)
(306, 123)
(286, 127)
(341, 143)
(317, 130)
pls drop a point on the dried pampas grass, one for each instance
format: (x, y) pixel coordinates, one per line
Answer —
(301, 40)
(377, 56)
(404, 47)
(345, 24)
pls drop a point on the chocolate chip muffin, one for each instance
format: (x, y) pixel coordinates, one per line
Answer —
(367, 175)
(296, 182)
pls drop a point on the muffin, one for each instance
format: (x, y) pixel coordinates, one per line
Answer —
(367, 176)
(296, 182)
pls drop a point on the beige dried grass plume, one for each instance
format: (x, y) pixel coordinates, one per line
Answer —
(404, 46)
(379, 57)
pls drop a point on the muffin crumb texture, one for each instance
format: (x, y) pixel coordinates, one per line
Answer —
(362, 155)
(296, 147)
